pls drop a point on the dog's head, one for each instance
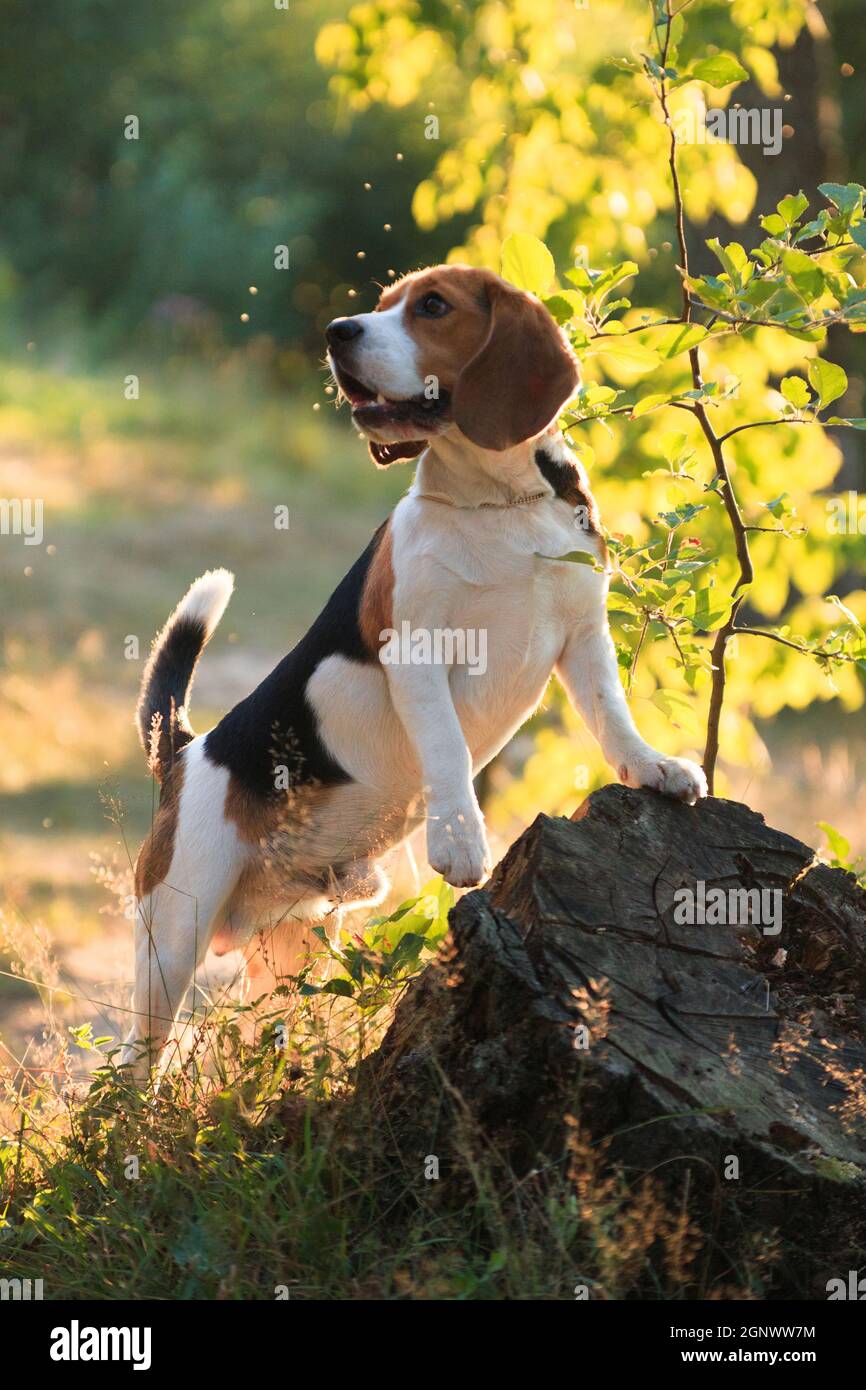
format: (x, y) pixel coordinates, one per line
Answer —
(451, 346)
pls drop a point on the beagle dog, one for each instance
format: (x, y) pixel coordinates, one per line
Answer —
(383, 713)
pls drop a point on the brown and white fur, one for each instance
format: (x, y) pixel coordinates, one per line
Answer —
(277, 817)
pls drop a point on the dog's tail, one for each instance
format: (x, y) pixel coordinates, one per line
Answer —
(161, 715)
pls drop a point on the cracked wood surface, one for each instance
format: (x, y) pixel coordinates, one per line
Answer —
(704, 1041)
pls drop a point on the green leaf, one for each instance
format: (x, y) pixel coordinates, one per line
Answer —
(648, 403)
(683, 514)
(710, 290)
(593, 395)
(836, 840)
(828, 381)
(732, 257)
(817, 227)
(718, 71)
(781, 505)
(795, 391)
(791, 209)
(670, 339)
(339, 986)
(579, 277)
(603, 281)
(565, 305)
(527, 263)
(807, 277)
(845, 196)
(845, 610)
(704, 613)
(574, 557)
(619, 602)
(629, 353)
(856, 423)
(678, 708)
(774, 224)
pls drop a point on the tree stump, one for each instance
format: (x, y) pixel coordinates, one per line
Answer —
(573, 992)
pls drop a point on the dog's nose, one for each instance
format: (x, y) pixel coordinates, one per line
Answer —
(342, 331)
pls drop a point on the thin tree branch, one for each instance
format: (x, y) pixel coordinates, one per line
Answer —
(636, 328)
(776, 530)
(675, 177)
(637, 651)
(795, 646)
(741, 540)
(773, 637)
(759, 424)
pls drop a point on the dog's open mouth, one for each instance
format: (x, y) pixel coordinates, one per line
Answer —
(374, 413)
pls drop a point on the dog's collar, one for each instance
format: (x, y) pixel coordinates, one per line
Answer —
(471, 507)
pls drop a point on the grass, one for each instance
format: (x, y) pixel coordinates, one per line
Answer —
(257, 1172)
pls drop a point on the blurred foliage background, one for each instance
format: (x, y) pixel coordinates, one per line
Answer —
(365, 140)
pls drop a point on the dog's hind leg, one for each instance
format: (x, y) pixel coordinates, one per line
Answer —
(172, 931)
(176, 916)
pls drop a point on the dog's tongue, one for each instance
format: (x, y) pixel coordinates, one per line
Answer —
(385, 454)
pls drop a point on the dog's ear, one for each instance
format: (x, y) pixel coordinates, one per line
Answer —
(520, 378)
(383, 455)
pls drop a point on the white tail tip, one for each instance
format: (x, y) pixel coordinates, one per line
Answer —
(205, 601)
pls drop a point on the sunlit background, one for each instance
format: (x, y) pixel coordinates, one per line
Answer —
(287, 162)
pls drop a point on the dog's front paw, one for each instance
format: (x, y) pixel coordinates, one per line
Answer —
(678, 777)
(457, 847)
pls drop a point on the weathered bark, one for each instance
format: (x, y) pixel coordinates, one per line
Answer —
(707, 1042)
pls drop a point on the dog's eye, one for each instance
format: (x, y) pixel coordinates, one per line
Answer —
(432, 306)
